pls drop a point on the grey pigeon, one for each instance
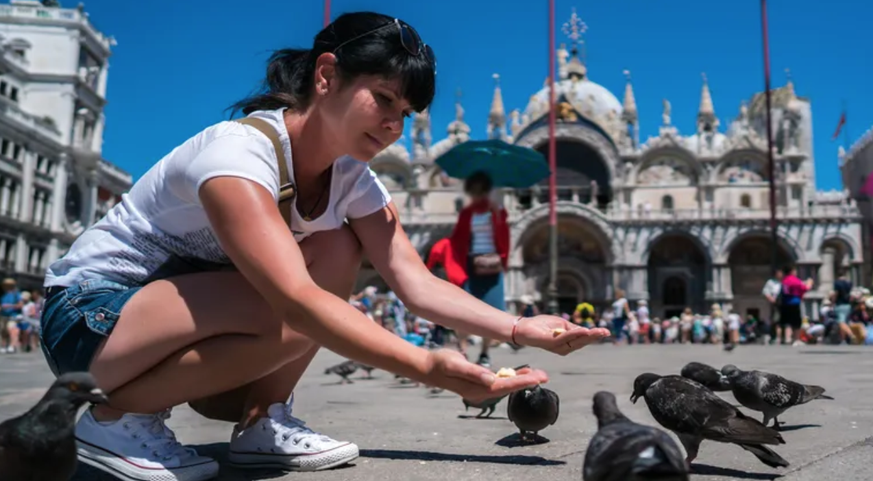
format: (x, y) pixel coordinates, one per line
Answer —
(706, 375)
(532, 410)
(344, 370)
(769, 393)
(486, 405)
(366, 368)
(695, 413)
(40, 445)
(623, 450)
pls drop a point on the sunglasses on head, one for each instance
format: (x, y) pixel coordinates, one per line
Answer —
(408, 38)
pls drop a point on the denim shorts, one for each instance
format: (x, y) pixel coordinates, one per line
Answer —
(76, 319)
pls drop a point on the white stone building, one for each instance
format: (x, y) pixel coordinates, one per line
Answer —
(681, 219)
(856, 166)
(54, 181)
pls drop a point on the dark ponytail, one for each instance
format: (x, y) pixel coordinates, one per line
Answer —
(290, 72)
(287, 84)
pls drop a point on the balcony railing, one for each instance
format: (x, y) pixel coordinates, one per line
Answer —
(63, 15)
(441, 206)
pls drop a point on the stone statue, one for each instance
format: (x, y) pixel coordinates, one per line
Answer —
(744, 115)
(566, 113)
(593, 200)
(562, 55)
(666, 115)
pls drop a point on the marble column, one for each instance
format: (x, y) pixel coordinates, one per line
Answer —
(59, 194)
(29, 165)
(826, 271)
(5, 196)
(21, 252)
(15, 207)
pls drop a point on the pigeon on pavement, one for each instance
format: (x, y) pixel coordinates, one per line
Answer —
(344, 370)
(706, 375)
(532, 410)
(623, 450)
(769, 393)
(40, 445)
(487, 405)
(695, 413)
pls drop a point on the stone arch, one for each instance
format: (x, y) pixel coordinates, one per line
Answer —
(532, 219)
(576, 133)
(749, 266)
(784, 240)
(575, 281)
(678, 160)
(677, 258)
(393, 171)
(841, 241)
(743, 166)
(660, 234)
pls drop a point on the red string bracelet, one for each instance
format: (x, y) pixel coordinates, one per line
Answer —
(514, 328)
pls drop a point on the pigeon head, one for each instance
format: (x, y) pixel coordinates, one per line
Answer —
(605, 408)
(641, 383)
(730, 370)
(77, 388)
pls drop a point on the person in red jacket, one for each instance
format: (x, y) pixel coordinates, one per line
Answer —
(478, 251)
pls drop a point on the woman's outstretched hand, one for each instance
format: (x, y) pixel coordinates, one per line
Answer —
(556, 334)
(451, 370)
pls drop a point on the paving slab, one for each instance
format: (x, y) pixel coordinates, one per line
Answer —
(405, 433)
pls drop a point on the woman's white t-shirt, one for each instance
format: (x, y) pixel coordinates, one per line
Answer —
(160, 228)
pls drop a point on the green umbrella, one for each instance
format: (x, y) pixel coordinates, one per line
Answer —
(508, 165)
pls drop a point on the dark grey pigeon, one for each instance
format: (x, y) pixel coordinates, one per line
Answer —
(695, 413)
(366, 368)
(40, 445)
(532, 410)
(344, 370)
(706, 375)
(488, 405)
(623, 450)
(769, 393)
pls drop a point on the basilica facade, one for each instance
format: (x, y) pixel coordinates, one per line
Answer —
(680, 219)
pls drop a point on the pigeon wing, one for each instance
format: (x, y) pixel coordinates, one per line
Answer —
(778, 391)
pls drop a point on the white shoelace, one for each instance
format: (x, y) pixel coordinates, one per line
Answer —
(154, 435)
(295, 429)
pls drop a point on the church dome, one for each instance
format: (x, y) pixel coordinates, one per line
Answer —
(593, 101)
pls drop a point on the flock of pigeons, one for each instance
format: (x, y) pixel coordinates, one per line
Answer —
(40, 444)
(687, 405)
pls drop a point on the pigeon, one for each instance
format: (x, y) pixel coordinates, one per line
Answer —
(623, 450)
(40, 445)
(344, 370)
(769, 393)
(366, 368)
(695, 413)
(486, 405)
(532, 410)
(729, 347)
(706, 375)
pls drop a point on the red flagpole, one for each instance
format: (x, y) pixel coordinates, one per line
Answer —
(326, 13)
(771, 170)
(553, 215)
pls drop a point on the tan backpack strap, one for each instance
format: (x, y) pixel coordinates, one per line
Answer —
(286, 187)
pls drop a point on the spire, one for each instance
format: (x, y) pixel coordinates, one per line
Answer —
(790, 83)
(458, 129)
(706, 119)
(575, 28)
(497, 115)
(630, 103)
(421, 137)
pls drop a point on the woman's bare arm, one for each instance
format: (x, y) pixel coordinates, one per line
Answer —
(252, 232)
(393, 255)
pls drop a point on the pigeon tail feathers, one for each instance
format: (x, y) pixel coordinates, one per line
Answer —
(654, 463)
(812, 393)
(766, 455)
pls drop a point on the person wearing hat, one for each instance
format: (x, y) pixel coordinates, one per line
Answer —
(10, 312)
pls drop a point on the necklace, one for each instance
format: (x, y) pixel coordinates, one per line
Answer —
(308, 216)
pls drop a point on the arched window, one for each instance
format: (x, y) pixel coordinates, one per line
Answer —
(746, 201)
(667, 202)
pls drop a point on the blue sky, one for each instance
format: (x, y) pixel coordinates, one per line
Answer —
(179, 64)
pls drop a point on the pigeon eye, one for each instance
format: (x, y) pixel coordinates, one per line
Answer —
(73, 387)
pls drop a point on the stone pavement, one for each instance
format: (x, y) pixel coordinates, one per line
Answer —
(407, 434)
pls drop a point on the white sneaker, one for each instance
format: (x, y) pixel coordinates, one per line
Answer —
(140, 447)
(283, 441)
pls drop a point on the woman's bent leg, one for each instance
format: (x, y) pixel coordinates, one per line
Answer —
(183, 339)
